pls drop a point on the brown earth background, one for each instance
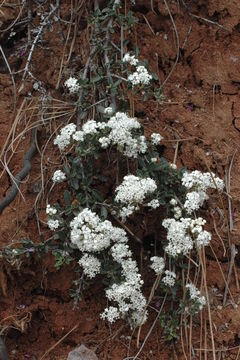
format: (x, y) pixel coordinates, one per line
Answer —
(200, 114)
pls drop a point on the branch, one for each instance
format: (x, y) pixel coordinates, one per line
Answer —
(34, 44)
(27, 166)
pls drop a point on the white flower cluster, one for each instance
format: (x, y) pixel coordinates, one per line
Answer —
(63, 140)
(53, 224)
(182, 233)
(91, 127)
(121, 134)
(130, 59)
(132, 193)
(72, 85)
(111, 314)
(51, 210)
(154, 204)
(176, 209)
(92, 235)
(173, 166)
(197, 184)
(108, 110)
(194, 294)
(90, 264)
(140, 77)
(127, 295)
(158, 264)
(202, 181)
(194, 200)
(169, 279)
(58, 176)
(118, 131)
(156, 138)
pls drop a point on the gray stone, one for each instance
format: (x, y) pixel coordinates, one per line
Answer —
(82, 353)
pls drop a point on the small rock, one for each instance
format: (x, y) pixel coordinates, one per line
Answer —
(82, 353)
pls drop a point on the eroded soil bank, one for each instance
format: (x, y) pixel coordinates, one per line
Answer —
(200, 114)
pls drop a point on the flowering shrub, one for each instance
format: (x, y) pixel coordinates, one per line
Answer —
(84, 221)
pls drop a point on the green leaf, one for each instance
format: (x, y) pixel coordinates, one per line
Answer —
(100, 109)
(67, 198)
(75, 183)
(95, 79)
(82, 115)
(97, 195)
(104, 212)
(155, 77)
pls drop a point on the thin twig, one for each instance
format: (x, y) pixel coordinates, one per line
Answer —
(151, 329)
(22, 174)
(233, 254)
(59, 341)
(18, 16)
(177, 39)
(203, 264)
(45, 22)
(209, 21)
(228, 188)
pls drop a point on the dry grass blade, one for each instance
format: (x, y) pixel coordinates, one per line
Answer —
(151, 329)
(228, 189)
(18, 16)
(203, 264)
(177, 39)
(233, 254)
(58, 342)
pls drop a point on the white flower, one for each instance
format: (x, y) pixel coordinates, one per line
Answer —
(173, 166)
(51, 210)
(89, 233)
(177, 212)
(72, 85)
(90, 264)
(195, 295)
(53, 224)
(90, 127)
(134, 189)
(111, 314)
(182, 233)
(105, 142)
(132, 192)
(158, 264)
(129, 299)
(179, 241)
(169, 279)
(140, 76)
(201, 181)
(59, 176)
(63, 140)
(154, 204)
(194, 200)
(108, 110)
(120, 251)
(154, 160)
(173, 202)
(78, 136)
(131, 59)
(156, 138)
(121, 128)
(203, 238)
